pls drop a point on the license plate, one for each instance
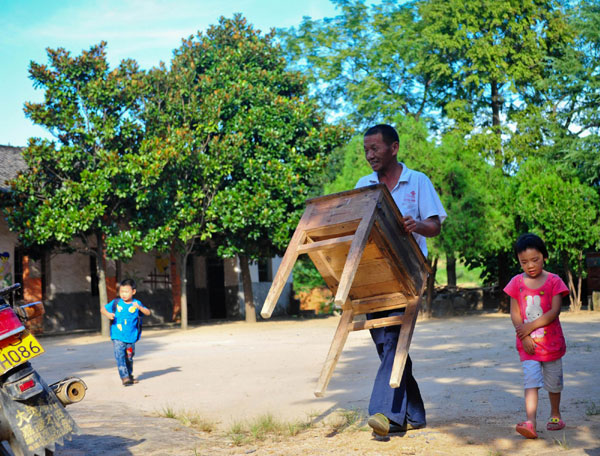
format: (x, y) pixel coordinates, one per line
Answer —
(19, 349)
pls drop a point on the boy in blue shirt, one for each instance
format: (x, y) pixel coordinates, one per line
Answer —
(125, 328)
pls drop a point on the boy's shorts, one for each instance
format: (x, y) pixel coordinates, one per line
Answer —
(547, 374)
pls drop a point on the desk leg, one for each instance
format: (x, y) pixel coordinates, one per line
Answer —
(341, 334)
(406, 332)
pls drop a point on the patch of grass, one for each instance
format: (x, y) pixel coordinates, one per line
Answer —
(299, 426)
(266, 425)
(343, 419)
(167, 412)
(592, 409)
(563, 444)
(188, 419)
(464, 277)
(352, 417)
(237, 433)
(263, 427)
(197, 422)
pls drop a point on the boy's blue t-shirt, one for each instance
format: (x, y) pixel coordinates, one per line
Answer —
(126, 326)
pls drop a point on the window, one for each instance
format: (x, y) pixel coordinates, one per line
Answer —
(264, 270)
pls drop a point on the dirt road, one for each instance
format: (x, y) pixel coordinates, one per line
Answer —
(467, 368)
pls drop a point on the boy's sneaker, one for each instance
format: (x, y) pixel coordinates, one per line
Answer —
(127, 381)
(133, 379)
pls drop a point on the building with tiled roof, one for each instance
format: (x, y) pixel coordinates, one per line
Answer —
(11, 162)
(67, 282)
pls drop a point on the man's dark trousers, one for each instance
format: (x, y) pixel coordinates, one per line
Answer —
(400, 405)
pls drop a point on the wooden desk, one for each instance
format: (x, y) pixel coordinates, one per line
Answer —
(358, 244)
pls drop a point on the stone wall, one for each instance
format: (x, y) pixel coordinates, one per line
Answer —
(448, 303)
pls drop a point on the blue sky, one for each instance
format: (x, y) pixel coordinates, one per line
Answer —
(144, 30)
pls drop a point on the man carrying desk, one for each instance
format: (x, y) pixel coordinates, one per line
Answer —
(398, 409)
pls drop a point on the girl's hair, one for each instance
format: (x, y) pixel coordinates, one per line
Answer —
(530, 241)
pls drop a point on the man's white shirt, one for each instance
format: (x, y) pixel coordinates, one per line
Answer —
(415, 195)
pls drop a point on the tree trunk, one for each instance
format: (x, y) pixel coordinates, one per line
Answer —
(572, 301)
(183, 281)
(579, 278)
(102, 294)
(247, 284)
(503, 257)
(451, 271)
(430, 289)
(496, 111)
(503, 279)
(574, 293)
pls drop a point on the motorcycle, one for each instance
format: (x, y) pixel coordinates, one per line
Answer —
(33, 418)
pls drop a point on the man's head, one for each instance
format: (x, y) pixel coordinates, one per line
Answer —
(388, 133)
(381, 147)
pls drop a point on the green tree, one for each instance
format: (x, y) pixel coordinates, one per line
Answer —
(564, 212)
(459, 177)
(182, 113)
(83, 186)
(516, 79)
(351, 168)
(450, 61)
(462, 181)
(174, 215)
(563, 125)
(361, 63)
(488, 59)
(264, 141)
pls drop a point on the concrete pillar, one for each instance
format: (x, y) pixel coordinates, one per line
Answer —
(596, 300)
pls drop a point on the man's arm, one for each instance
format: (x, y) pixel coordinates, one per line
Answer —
(430, 227)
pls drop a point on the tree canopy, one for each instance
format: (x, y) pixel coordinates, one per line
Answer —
(83, 185)
(251, 144)
(497, 85)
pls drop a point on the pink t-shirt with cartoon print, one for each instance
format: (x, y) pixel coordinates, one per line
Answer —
(533, 303)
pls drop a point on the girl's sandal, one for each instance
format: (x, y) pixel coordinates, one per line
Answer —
(526, 430)
(555, 424)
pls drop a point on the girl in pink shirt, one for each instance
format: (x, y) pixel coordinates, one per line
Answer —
(536, 299)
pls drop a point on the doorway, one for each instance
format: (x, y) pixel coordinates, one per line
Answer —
(215, 277)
